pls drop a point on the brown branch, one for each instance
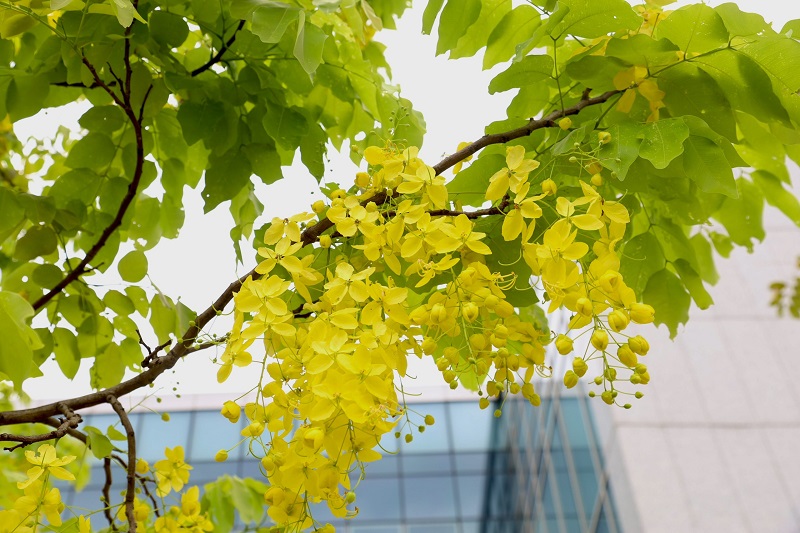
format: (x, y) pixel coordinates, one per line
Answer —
(79, 85)
(310, 235)
(106, 498)
(130, 490)
(127, 200)
(216, 58)
(523, 131)
(63, 426)
(151, 353)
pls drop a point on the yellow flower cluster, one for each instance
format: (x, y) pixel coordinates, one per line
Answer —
(399, 272)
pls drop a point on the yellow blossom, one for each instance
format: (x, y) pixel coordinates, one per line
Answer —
(46, 461)
(172, 473)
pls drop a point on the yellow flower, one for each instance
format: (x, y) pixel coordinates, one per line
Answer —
(172, 473)
(461, 232)
(521, 208)
(46, 461)
(426, 177)
(513, 176)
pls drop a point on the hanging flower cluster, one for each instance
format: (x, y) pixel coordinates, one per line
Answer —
(333, 315)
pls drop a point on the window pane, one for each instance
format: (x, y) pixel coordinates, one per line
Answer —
(154, 435)
(470, 426)
(212, 433)
(429, 497)
(378, 499)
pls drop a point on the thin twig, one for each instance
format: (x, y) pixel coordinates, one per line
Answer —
(131, 475)
(218, 56)
(127, 200)
(107, 493)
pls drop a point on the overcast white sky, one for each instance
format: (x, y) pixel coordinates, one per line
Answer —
(199, 264)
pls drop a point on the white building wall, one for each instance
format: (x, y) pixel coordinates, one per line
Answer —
(714, 446)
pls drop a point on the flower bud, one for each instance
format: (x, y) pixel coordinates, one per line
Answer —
(642, 313)
(570, 379)
(325, 241)
(549, 186)
(599, 339)
(313, 438)
(470, 311)
(429, 420)
(597, 180)
(253, 430)
(503, 309)
(626, 356)
(362, 180)
(221, 456)
(618, 320)
(318, 206)
(142, 467)
(604, 137)
(584, 307)
(579, 366)
(483, 403)
(231, 411)
(639, 345)
(563, 344)
(607, 397)
(565, 123)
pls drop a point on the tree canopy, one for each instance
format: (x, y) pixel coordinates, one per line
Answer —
(640, 146)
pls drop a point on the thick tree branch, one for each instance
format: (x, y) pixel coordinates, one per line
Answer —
(216, 58)
(130, 490)
(309, 235)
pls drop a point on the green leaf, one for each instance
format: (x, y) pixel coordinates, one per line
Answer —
(103, 119)
(469, 185)
(269, 21)
(704, 162)
(689, 90)
(81, 184)
(516, 26)
(115, 434)
(47, 275)
(118, 302)
(430, 14)
(94, 151)
(457, 17)
(11, 212)
(199, 121)
(595, 18)
(641, 257)
(669, 298)
(596, 72)
(477, 36)
(65, 347)
(777, 196)
(99, 444)
(532, 69)
(705, 258)
(308, 45)
(19, 339)
(38, 241)
(694, 29)
(619, 154)
(133, 267)
(742, 216)
(641, 49)
(168, 29)
(217, 498)
(285, 125)
(225, 177)
(694, 284)
(741, 24)
(25, 95)
(246, 501)
(138, 298)
(162, 317)
(662, 141)
(745, 84)
(312, 151)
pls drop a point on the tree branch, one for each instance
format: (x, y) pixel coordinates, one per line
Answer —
(130, 491)
(309, 235)
(133, 187)
(218, 56)
(70, 421)
(107, 493)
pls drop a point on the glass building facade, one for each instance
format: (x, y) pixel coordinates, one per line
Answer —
(534, 469)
